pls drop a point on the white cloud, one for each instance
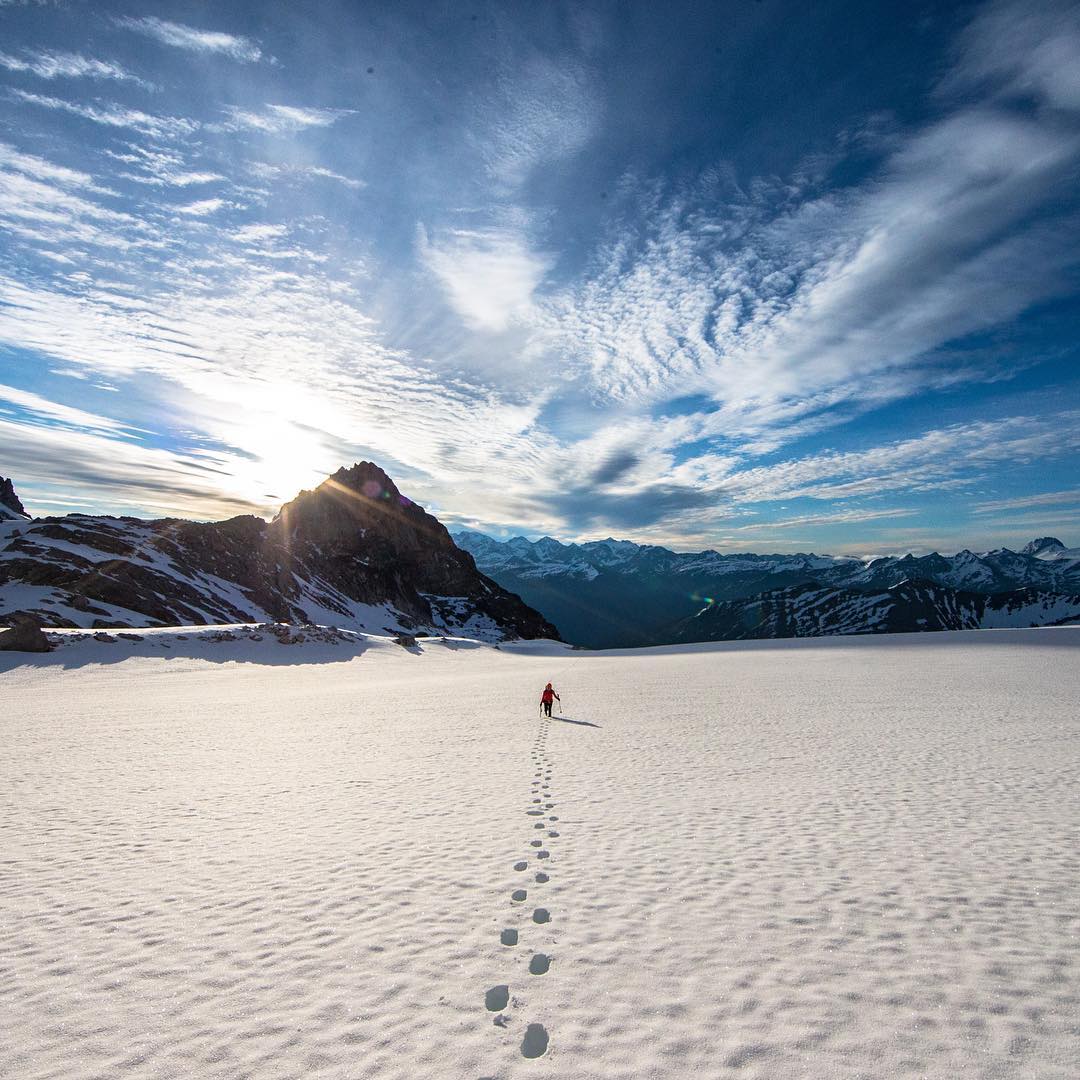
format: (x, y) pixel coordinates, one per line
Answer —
(489, 275)
(256, 234)
(1047, 498)
(783, 310)
(161, 167)
(793, 310)
(44, 203)
(266, 171)
(838, 517)
(202, 208)
(124, 475)
(280, 119)
(42, 169)
(1017, 50)
(192, 38)
(941, 459)
(119, 116)
(41, 408)
(179, 179)
(329, 174)
(67, 65)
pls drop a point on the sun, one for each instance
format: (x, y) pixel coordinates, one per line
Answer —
(284, 445)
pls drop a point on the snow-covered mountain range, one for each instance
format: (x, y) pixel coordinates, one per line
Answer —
(909, 607)
(617, 593)
(353, 553)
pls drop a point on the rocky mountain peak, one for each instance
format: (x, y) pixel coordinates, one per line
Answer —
(9, 499)
(1042, 545)
(361, 507)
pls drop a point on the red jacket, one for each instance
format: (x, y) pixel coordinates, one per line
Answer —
(548, 695)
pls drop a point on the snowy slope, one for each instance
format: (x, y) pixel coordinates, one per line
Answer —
(800, 860)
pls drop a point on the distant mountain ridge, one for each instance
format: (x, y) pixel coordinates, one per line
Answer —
(908, 607)
(612, 593)
(354, 553)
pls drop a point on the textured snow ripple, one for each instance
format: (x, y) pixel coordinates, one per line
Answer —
(798, 860)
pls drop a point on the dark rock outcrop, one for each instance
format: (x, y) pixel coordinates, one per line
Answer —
(25, 636)
(363, 538)
(10, 501)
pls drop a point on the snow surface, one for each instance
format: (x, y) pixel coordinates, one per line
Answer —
(788, 859)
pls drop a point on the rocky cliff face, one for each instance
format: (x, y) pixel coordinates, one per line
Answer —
(10, 506)
(354, 553)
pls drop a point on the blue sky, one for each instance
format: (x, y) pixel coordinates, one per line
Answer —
(732, 275)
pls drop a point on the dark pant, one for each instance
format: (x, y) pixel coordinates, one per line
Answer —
(547, 708)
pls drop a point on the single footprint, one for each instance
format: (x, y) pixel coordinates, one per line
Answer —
(539, 825)
(536, 843)
(553, 817)
(543, 854)
(535, 1043)
(541, 915)
(497, 998)
(542, 877)
(552, 832)
(518, 895)
(509, 937)
(539, 964)
(521, 865)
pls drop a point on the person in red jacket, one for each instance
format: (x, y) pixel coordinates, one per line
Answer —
(547, 697)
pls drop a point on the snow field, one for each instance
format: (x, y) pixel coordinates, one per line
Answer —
(817, 858)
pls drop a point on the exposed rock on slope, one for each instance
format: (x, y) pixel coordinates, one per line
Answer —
(353, 552)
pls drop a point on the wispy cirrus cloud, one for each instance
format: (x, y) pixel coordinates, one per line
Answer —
(114, 115)
(940, 459)
(68, 65)
(847, 295)
(857, 516)
(46, 204)
(159, 167)
(668, 363)
(266, 171)
(1015, 50)
(280, 119)
(41, 409)
(1023, 502)
(793, 307)
(191, 38)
